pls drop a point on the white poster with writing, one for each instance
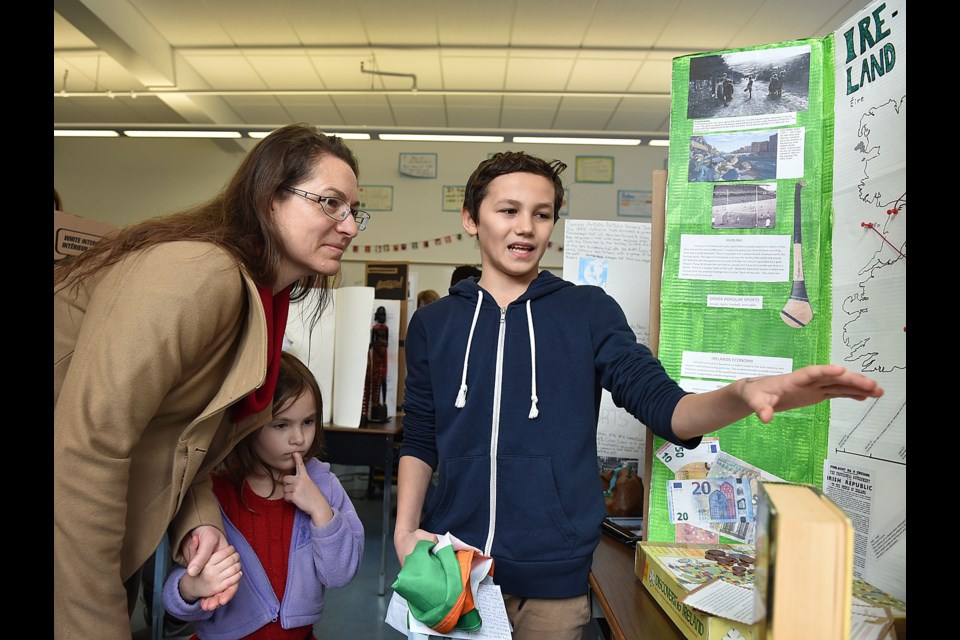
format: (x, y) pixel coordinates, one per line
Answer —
(869, 325)
(614, 255)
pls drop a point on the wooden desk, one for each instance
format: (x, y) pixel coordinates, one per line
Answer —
(631, 611)
(370, 445)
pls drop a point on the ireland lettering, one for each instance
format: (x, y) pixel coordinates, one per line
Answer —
(864, 41)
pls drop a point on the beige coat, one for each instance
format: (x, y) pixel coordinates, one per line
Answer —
(148, 355)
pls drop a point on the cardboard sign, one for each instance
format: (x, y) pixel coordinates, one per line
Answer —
(72, 235)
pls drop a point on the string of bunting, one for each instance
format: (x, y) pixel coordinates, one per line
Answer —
(416, 245)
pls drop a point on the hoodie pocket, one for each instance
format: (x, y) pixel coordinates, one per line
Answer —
(531, 521)
(461, 502)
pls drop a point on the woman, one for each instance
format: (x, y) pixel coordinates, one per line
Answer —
(167, 339)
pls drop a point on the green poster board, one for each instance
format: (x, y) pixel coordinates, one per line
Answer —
(746, 273)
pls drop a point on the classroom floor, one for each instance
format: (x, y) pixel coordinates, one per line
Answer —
(355, 611)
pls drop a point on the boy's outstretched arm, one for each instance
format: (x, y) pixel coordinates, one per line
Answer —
(413, 478)
(700, 413)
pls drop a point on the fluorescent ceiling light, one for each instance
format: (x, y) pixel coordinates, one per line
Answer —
(659, 143)
(418, 137)
(345, 136)
(180, 134)
(626, 142)
(85, 133)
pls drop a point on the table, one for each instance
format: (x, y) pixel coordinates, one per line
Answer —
(631, 611)
(371, 445)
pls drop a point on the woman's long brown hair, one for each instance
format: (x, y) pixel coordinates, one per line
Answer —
(238, 218)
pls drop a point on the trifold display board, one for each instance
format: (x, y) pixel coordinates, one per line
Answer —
(785, 246)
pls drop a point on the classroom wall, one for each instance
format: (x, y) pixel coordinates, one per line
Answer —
(125, 180)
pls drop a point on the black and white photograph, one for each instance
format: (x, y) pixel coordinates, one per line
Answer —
(744, 206)
(748, 83)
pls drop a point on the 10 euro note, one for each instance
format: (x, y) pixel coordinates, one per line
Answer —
(702, 502)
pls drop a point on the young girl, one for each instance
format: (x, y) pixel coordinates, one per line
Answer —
(291, 527)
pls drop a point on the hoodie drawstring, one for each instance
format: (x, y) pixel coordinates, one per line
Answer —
(462, 394)
(534, 412)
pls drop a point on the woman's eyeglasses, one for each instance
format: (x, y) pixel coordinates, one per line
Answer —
(335, 208)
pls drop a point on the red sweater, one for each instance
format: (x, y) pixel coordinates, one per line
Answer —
(268, 529)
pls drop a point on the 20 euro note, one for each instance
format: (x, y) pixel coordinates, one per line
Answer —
(707, 501)
(729, 466)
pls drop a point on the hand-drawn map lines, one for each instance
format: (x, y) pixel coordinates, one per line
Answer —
(880, 149)
(887, 254)
(870, 153)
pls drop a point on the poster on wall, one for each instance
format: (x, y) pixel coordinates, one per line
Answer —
(615, 256)
(787, 247)
(867, 452)
(388, 279)
(745, 261)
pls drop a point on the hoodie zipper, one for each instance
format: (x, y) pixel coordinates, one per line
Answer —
(495, 432)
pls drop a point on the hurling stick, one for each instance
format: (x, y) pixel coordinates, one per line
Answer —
(797, 312)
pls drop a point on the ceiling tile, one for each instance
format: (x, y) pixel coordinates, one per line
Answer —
(360, 111)
(577, 114)
(792, 21)
(246, 22)
(225, 71)
(602, 75)
(290, 71)
(653, 76)
(647, 115)
(474, 112)
(473, 73)
(320, 110)
(418, 111)
(396, 23)
(628, 23)
(256, 109)
(184, 23)
(535, 74)
(521, 112)
(484, 23)
(92, 71)
(706, 26)
(548, 22)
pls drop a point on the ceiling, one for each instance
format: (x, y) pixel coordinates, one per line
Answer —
(581, 67)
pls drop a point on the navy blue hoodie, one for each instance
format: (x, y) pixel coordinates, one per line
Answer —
(505, 403)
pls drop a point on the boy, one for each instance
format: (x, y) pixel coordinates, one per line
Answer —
(502, 395)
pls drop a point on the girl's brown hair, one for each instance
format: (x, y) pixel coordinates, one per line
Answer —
(293, 381)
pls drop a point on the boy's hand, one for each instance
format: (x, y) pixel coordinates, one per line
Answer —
(220, 574)
(805, 386)
(405, 542)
